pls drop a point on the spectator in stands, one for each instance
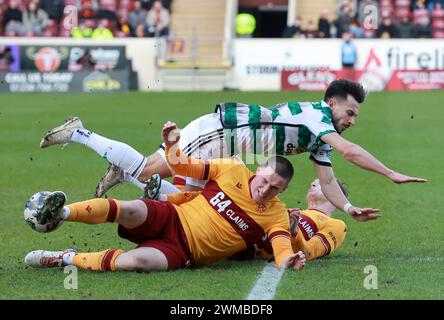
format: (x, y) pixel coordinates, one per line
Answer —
(158, 20)
(136, 18)
(324, 25)
(387, 29)
(420, 11)
(344, 20)
(167, 4)
(54, 8)
(311, 30)
(34, 19)
(423, 29)
(405, 28)
(87, 9)
(432, 4)
(107, 10)
(12, 19)
(123, 28)
(146, 4)
(348, 51)
(438, 11)
(6, 58)
(294, 30)
(355, 30)
(84, 30)
(102, 32)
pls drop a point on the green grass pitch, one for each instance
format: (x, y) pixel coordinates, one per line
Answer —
(404, 130)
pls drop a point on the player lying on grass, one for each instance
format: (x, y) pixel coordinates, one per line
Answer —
(313, 231)
(234, 128)
(235, 210)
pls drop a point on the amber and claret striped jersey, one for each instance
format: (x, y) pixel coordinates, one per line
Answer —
(224, 219)
(318, 236)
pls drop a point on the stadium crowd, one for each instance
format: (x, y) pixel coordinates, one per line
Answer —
(105, 19)
(98, 19)
(394, 19)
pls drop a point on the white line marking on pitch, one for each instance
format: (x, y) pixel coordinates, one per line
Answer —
(266, 284)
(386, 258)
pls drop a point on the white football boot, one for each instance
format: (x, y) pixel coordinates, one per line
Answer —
(112, 177)
(43, 258)
(61, 134)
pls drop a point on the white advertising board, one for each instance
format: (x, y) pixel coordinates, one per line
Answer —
(258, 62)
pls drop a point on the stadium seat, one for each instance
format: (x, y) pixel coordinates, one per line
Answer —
(418, 14)
(402, 3)
(110, 5)
(127, 4)
(438, 24)
(10, 34)
(438, 34)
(120, 34)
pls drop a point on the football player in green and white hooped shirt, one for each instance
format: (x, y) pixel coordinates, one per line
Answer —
(288, 128)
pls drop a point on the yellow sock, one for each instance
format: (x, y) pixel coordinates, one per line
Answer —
(94, 211)
(97, 261)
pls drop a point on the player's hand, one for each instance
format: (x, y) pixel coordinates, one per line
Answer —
(294, 215)
(295, 261)
(397, 177)
(366, 215)
(170, 134)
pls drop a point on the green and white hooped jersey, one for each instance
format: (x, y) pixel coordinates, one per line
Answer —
(285, 129)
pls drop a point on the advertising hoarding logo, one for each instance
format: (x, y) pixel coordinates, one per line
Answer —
(100, 82)
(374, 76)
(47, 59)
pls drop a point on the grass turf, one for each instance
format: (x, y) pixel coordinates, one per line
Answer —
(404, 130)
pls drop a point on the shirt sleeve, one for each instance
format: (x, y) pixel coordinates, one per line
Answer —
(282, 248)
(318, 123)
(322, 156)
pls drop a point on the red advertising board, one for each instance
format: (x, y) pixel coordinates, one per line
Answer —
(403, 80)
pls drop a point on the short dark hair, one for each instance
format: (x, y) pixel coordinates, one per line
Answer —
(344, 87)
(281, 166)
(343, 188)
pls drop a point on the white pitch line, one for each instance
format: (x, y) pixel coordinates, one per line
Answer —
(266, 284)
(384, 258)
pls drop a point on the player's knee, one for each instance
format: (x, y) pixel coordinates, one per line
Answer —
(146, 264)
(132, 213)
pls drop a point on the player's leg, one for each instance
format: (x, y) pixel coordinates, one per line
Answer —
(94, 261)
(121, 155)
(114, 175)
(142, 259)
(130, 214)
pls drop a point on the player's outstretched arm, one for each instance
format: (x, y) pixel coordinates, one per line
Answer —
(333, 193)
(363, 159)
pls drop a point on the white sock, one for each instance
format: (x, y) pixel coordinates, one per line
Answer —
(167, 187)
(68, 258)
(66, 212)
(118, 153)
(128, 178)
